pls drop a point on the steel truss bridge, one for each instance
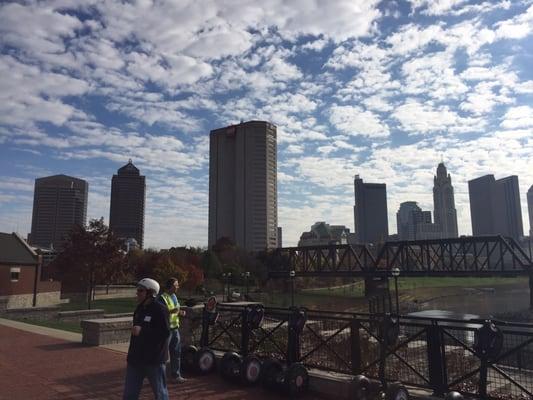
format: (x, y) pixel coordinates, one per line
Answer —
(464, 256)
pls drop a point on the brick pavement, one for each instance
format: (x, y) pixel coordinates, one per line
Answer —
(38, 367)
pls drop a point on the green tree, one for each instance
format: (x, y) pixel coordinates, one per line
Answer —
(91, 256)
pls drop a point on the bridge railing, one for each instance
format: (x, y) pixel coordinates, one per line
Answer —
(436, 354)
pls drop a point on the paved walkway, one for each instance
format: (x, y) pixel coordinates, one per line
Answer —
(40, 366)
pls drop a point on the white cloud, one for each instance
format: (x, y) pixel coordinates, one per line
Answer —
(436, 7)
(419, 118)
(517, 27)
(518, 117)
(29, 95)
(355, 121)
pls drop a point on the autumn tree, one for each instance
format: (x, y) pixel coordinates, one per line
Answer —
(91, 256)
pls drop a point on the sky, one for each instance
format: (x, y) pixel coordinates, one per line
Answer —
(383, 89)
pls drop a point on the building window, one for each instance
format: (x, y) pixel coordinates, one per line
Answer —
(15, 273)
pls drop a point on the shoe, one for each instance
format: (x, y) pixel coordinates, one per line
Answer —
(180, 379)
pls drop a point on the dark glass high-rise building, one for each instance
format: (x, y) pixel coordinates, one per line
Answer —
(59, 203)
(371, 224)
(128, 193)
(444, 203)
(495, 206)
(243, 196)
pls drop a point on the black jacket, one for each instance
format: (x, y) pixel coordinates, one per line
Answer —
(151, 346)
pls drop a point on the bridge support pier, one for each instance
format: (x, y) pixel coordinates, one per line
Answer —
(375, 286)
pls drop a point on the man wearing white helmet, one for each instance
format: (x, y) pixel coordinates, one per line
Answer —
(148, 350)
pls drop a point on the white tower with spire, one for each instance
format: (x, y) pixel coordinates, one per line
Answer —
(444, 203)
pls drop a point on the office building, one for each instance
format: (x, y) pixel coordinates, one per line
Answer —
(59, 203)
(371, 223)
(495, 206)
(243, 204)
(128, 194)
(530, 210)
(415, 224)
(322, 234)
(444, 210)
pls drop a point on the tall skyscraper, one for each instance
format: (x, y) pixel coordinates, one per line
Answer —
(243, 196)
(530, 210)
(415, 224)
(495, 206)
(444, 203)
(59, 203)
(371, 223)
(128, 194)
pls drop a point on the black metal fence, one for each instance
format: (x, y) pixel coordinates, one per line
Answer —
(436, 354)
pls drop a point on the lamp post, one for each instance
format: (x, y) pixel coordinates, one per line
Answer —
(223, 285)
(229, 284)
(292, 275)
(396, 273)
(246, 278)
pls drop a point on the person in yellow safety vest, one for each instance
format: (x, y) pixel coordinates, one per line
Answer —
(169, 299)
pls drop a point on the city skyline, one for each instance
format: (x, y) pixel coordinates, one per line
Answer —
(381, 89)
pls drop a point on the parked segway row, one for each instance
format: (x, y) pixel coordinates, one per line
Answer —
(233, 366)
(202, 360)
(292, 379)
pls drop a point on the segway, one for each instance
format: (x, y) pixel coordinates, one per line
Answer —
(294, 379)
(202, 360)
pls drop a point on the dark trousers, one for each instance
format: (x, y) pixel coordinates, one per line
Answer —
(174, 350)
(135, 375)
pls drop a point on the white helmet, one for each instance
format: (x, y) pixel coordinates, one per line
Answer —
(150, 285)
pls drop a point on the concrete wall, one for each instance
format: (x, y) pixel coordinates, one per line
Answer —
(26, 300)
(106, 330)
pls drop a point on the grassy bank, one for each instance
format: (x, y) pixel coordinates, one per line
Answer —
(110, 306)
(405, 284)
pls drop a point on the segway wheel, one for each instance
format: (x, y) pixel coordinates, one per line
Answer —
(361, 387)
(188, 355)
(396, 391)
(296, 380)
(205, 361)
(251, 370)
(453, 395)
(230, 366)
(272, 375)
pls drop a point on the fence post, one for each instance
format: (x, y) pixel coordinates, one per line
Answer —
(436, 357)
(204, 338)
(296, 322)
(245, 331)
(355, 343)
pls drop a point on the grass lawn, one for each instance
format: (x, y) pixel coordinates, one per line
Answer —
(64, 326)
(110, 306)
(356, 289)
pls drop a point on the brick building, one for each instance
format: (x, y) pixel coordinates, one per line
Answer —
(20, 276)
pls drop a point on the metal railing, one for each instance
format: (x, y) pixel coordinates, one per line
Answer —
(436, 354)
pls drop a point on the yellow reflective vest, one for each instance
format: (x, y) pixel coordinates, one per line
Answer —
(174, 318)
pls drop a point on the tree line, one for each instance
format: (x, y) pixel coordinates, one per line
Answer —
(94, 255)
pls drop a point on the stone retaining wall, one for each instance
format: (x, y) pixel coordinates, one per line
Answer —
(79, 315)
(33, 313)
(109, 329)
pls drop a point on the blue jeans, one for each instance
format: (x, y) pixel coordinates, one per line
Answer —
(174, 350)
(135, 375)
